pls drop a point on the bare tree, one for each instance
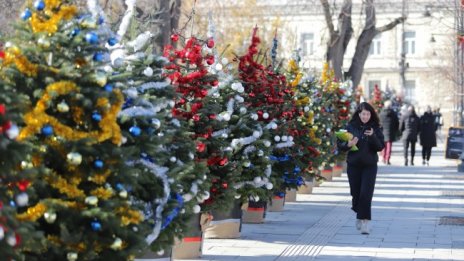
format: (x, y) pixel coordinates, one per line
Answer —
(340, 37)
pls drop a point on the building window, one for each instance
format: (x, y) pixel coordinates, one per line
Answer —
(372, 84)
(376, 45)
(307, 43)
(410, 90)
(409, 44)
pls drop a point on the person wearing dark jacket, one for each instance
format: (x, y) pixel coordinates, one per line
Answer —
(389, 122)
(362, 164)
(409, 127)
(428, 139)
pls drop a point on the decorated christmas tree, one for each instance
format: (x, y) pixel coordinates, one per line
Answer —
(172, 183)
(16, 175)
(206, 112)
(377, 101)
(87, 201)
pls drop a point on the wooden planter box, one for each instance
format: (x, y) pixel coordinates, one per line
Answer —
(337, 171)
(226, 223)
(277, 204)
(190, 246)
(306, 188)
(254, 212)
(290, 195)
(327, 174)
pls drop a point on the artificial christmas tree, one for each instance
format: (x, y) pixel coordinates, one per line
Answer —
(377, 101)
(16, 176)
(85, 202)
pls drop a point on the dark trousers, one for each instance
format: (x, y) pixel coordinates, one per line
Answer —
(362, 183)
(426, 153)
(413, 149)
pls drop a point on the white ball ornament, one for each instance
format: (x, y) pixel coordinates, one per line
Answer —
(123, 193)
(237, 196)
(246, 164)
(277, 138)
(117, 244)
(306, 108)
(187, 197)
(160, 253)
(284, 138)
(196, 209)
(267, 143)
(2, 233)
(218, 67)
(50, 217)
(269, 186)
(91, 200)
(255, 198)
(22, 199)
(274, 126)
(74, 158)
(260, 153)
(257, 180)
(265, 115)
(12, 132)
(243, 110)
(224, 60)
(206, 195)
(62, 107)
(290, 138)
(254, 116)
(11, 240)
(173, 159)
(241, 89)
(256, 134)
(328, 129)
(148, 72)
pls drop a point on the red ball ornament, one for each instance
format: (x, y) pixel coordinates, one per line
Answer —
(210, 60)
(23, 184)
(210, 43)
(201, 147)
(2, 55)
(223, 162)
(2, 109)
(204, 92)
(215, 83)
(196, 117)
(212, 116)
(174, 37)
(224, 185)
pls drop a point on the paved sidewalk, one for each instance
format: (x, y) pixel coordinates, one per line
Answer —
(418, 214)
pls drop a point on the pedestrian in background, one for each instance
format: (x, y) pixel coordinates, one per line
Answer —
(409, 127)
(389, 122)
(438, 119)
(428, 138)
(362, 163)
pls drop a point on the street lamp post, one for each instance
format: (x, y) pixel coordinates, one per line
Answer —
(459, 77)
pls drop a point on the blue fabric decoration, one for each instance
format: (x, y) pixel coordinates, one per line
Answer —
(174, 213)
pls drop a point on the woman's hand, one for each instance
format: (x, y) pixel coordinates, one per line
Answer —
(369, 132)
(353, 142)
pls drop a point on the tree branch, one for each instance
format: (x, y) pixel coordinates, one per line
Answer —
(391, 25)
(328, 16)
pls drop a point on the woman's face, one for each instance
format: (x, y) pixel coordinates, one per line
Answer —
(365, 116)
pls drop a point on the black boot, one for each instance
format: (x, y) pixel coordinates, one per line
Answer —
(406, 162)
(412, 162)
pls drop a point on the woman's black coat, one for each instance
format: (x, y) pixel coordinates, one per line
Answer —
(390, 124)
(409, 126)
(368, 145)
(428, 127)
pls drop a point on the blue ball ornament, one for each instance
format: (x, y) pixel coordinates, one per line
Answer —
(96, 226)
(98, 164)
(91, 38)
(39, 5)
(112, 41)
(98, 57)
(135, 131)
(47, 130)
(75, 31)
(119, 186)
(109, 87)
(26, 14)
(12, 203)
(101, 20)
(96, 116)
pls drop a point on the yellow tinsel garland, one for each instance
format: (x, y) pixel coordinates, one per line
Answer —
(129, 216)
(38, 24)
(102, 193)
(65, 187)
(37, 118)
(33, 213)
(13, 56)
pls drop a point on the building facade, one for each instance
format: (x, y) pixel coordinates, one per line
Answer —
(427, 39)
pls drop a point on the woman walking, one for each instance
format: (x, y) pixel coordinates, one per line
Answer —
(389, 122)
(428, 139)
(362, 164)
(409, 126)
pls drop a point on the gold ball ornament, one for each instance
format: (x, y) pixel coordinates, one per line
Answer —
(26, 165)
(91, 200)
(123, 194)
(43, 42)
(74, 158)
(71, 256)
(50, 217)
(117, 244)
(62, 107)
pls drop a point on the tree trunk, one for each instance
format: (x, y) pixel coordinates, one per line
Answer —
(167, 16)
(339, 38)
